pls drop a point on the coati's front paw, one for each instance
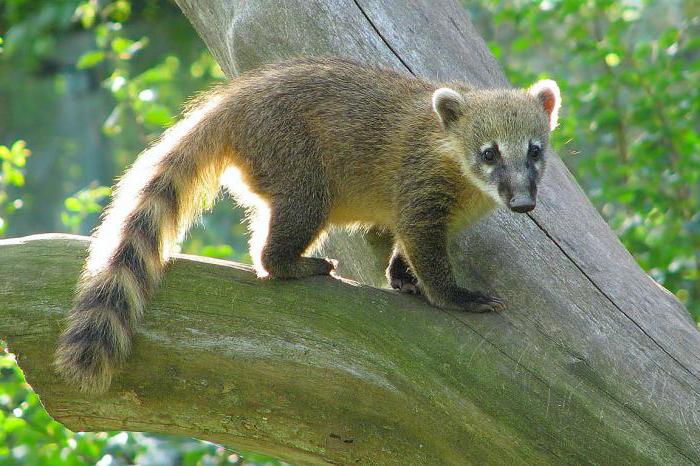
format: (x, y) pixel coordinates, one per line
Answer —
(329, 268)
(461, 299)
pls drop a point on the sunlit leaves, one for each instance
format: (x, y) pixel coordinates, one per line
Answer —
(118, 10)
(86, 13)
(126, 48)
(12, 163)
(82, 204)
(612, 59)
(157, 115)
(221, 251)
(90, 59)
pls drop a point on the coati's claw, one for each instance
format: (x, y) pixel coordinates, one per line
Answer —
(485, 303)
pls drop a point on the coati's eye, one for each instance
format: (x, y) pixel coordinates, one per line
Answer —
(489, 155)
(534, 152)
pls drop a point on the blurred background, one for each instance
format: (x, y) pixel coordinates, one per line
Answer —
(86, 85)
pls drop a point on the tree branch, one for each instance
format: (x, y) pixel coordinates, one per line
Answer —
(322, 370)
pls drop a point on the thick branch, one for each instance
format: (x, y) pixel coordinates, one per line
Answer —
(319, 370)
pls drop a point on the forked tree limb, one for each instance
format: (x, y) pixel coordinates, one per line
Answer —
(591, 362)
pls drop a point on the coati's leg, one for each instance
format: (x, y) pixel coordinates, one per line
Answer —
(399, 274)
(294, 225)
(425, 246)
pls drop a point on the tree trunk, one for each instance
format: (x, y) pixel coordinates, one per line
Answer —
(591, 362)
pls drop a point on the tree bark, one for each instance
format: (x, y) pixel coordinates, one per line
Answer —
(591, 362)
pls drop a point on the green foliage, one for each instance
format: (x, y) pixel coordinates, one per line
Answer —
(13, 160)
(146, 98)
(81, 205)
(629, 128)
(30, 27)
(150, 97)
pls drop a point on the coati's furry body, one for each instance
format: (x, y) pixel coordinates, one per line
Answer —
(316, 142)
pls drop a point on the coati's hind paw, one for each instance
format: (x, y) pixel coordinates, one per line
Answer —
(308, 266)
(401, 278)
(299, 268)
(405, 284)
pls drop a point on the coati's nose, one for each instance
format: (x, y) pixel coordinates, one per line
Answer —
(521, 204)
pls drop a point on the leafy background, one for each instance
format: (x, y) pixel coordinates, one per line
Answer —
(87, 84)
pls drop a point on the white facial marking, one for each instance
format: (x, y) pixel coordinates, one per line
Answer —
(488, 145)
(491, 191)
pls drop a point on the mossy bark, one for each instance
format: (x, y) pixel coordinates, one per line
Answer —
(328, 371)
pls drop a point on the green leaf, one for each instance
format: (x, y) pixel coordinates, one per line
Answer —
(612, 59)
(121, 44)
(157, 74)
(668, 38)
(90, 59)
(86, 11)
(73, 204)
(157, 115)
(521, 44)
(19, 153)
(221, 251)
(119, 11)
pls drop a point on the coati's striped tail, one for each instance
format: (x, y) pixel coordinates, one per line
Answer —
(152, 208)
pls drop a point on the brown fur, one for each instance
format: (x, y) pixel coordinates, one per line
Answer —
(315, 142)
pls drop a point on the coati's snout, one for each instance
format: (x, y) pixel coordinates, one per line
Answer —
(521, 204)
(510, 172)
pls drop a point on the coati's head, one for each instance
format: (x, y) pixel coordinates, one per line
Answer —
(501, 137)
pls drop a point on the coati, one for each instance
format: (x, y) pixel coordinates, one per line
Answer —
(315, 142)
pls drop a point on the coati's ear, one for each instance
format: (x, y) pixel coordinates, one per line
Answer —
(548, 94)
(449, 105)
